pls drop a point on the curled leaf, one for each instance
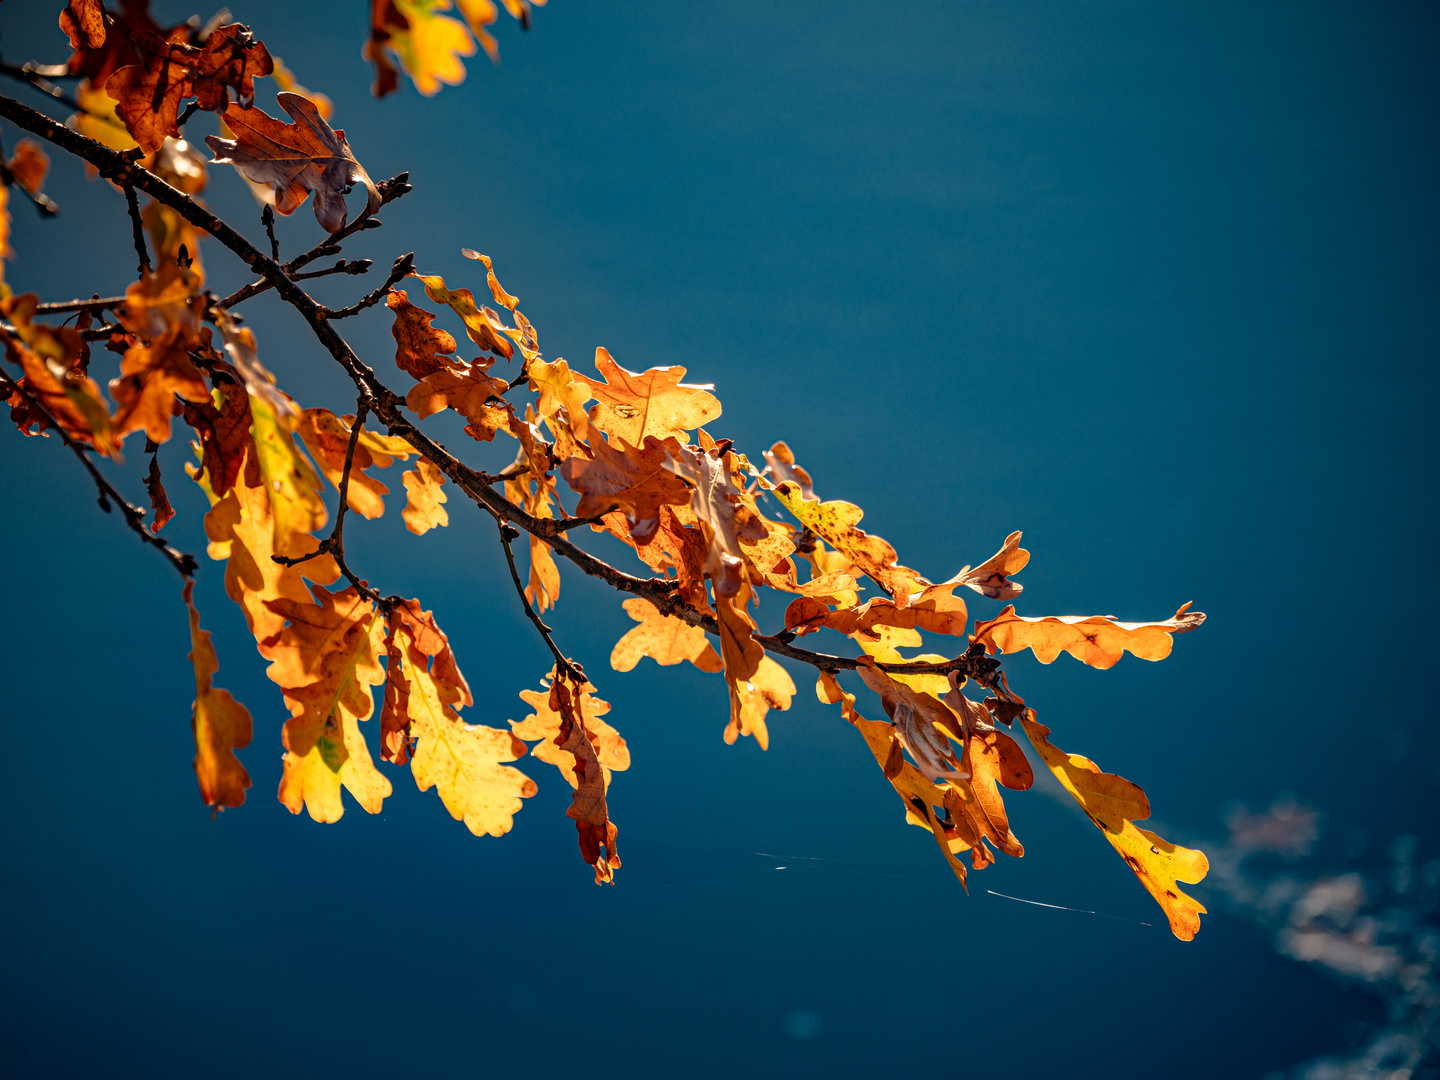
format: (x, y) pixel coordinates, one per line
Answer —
(308, 155)
(221, 725)
(1096, 640)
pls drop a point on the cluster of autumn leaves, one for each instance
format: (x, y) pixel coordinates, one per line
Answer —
(631, 447)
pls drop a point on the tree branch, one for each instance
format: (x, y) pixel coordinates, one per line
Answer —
(134, 516)
(403, 266)
(386, 403)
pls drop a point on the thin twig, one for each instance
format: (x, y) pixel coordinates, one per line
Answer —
(93, 304)
(508, 533)
(137, 228)
(359, 266)
(403, 266)
(390, 190)
(134, 516)
(267, 217)
(334, 544)
(34, 75)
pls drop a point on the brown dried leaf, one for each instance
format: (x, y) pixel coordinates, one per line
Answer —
(296, 159)
(159, 501)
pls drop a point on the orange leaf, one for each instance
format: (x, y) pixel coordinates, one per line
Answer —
(992, 577)
(221, 725)
(919, 794)
(1096, 640)
(296, 159)
(159, 501)
(83, 22)
(664, 638)
(633, 406)
(756, 683)
(470, 392)
(327, 437)
(1114, 804)
(418, 345)
(483, 326)
(151, 376)
(29, 165)
(423, 510)
(725, 512)
(51, 359)
(148, 93)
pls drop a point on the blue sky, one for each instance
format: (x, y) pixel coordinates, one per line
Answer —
(1154, 284)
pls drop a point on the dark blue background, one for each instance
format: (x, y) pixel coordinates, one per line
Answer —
(1154, 283)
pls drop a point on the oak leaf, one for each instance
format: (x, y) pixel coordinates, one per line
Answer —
(148, 93)
(636, 481)
(420, 348)
(98, 62)
(484, 327)
(654, 402)
(836, 523)
(53, 379)
(427, 44)
(676, 546)
(586, 750)
(151, 377)
(159, 501)
(756, 683)
(664, 638)
(920, 795)
(28, 165)
(726, 513)
(325, 661)
(470, 392)
(780, 463)
(423, 498)
(97, 118)
(1114, 804)
(241, 529)
(533, 494)
(83, 22)
(327, 437)
(222, 425)
(221, 725)
(992, 577)
(1096, 640)
(933, 609)
(296, 159)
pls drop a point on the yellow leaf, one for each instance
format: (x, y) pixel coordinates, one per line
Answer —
(290, 480)
(423, 510)
(464, 763)
(325, 661)
(1114, 804)
(430, 45)
(835, 522)
(664, 638)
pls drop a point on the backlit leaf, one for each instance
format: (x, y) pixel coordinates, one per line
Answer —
(1096, 640)
(655, 402)
(423, 498)
(1114, 805)
(664, 638)
(326, 660)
